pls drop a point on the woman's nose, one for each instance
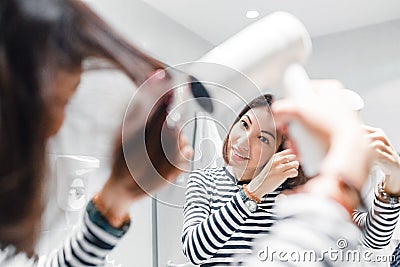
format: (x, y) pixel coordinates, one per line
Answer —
(243, 142)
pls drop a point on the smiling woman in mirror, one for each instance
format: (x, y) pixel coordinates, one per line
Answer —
(228, 207)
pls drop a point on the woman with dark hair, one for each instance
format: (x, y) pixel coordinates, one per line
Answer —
(226, 208)
(43, 45)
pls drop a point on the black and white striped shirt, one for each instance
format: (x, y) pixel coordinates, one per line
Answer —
(377, 224)
(311, 223)
(87, 246)
(312, 231)
(218, 228)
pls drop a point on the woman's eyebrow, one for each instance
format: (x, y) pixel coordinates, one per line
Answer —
(269, 133)
(263, 131)
(248, 117)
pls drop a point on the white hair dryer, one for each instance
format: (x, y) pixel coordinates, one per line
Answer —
(268, 54)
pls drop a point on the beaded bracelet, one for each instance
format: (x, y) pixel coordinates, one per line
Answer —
(250, 195)
(384, 197)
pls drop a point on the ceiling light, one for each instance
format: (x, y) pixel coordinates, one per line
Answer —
(251, 14)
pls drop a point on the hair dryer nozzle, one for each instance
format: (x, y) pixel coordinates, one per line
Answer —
(201, 94)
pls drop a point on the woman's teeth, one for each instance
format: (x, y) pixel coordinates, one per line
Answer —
(240, 156)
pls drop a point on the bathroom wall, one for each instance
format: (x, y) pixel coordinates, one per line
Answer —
(367, 61)
(151, 30)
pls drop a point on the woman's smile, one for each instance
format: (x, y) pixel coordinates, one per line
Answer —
(238, 155)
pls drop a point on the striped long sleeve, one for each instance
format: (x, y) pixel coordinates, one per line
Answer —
(218, 227)
(377, 224)
(204, 233)
(87, 246)
(310, 231)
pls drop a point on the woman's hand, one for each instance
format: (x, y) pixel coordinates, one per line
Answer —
(148, 154)
(336, 126)
(125, 185)
(283, 165)
(346, 165)
(386, 157)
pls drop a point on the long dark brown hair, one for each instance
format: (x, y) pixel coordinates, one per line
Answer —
(39, 38)
(265, 101)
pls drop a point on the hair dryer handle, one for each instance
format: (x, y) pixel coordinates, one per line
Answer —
(296, 85)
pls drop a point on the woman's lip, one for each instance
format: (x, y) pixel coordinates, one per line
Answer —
(235, 153)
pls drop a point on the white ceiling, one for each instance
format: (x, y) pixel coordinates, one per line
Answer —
(216, 20)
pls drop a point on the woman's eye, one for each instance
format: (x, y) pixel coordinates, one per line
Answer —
(264, 139)
(244, 124)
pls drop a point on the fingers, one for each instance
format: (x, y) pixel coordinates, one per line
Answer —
(183, 143)
(370, 129)
(185, 153)
(185, 149)
(182, 161)
(389, 163)
(278, 158)
(292, 173)
(284, 152)
(284, 156)
(288, 170)
(377, 134)
(290, 165)
(384, 156)
(286, 159)
(378, 145)
(287, 163)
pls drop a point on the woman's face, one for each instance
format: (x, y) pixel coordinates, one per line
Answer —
(63, 86)
(252, 140)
